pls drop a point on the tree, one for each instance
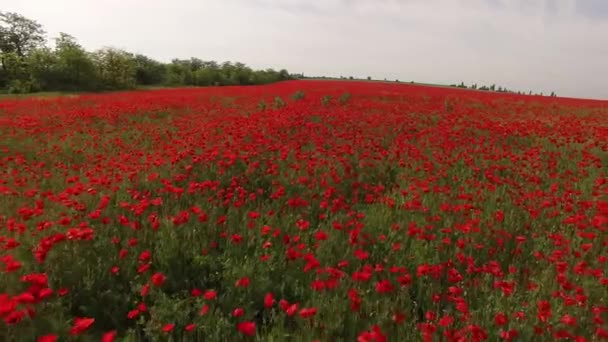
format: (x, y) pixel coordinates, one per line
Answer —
(75, 67)
(149, 71)
(42, 64)
(206, 77)
(209, 74)
(15, 75)
(115, 69)
(27, 65)
(283, 75)
(19, 34)
(196, 63)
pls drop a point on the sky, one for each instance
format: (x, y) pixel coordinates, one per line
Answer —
(538, 45)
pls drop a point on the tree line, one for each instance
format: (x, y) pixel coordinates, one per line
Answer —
(29, 64)
(499, 89)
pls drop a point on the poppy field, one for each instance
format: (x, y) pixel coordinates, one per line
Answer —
(304, 211)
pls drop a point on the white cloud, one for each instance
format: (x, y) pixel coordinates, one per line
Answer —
(542, 45)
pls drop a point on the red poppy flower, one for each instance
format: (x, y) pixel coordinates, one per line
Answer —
(81, 324)
(246, 328)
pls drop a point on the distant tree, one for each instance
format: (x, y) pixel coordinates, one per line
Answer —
(149, 71)
(26, 65)
(116, 69)
(18, 37)
(75, 67)
(343, 99)
(283, 75)
(43, 68)
(14, 76)
(179, 73)
(19, 34)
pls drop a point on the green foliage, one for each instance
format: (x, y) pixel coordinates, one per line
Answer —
(298, 95)
(75, 67)
(278, 103)
(149, 71)
(326, 100)
(195, 72)
(343, 99)
(116, 69)
(27, 65)
(262, 105)
(19, 34)
(42, 64)
(14, 71)
(20, 86)
(493, 87)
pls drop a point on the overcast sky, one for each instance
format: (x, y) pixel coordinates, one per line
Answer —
(542, 45)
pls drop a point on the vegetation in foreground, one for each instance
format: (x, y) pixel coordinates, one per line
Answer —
(336, 211)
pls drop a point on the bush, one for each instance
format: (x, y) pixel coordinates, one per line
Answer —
(298, 95)
(344, 98)
(262, 105)
(278, 103)
(326, 100)
(20, 87)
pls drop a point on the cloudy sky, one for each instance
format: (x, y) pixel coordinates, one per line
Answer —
(543, 45)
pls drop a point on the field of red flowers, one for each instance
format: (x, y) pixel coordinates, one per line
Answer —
(303, 211)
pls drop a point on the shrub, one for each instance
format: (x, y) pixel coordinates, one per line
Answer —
(326, 100)
(344, 98)
(278, 103)
(262, 105)
(298, 95)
